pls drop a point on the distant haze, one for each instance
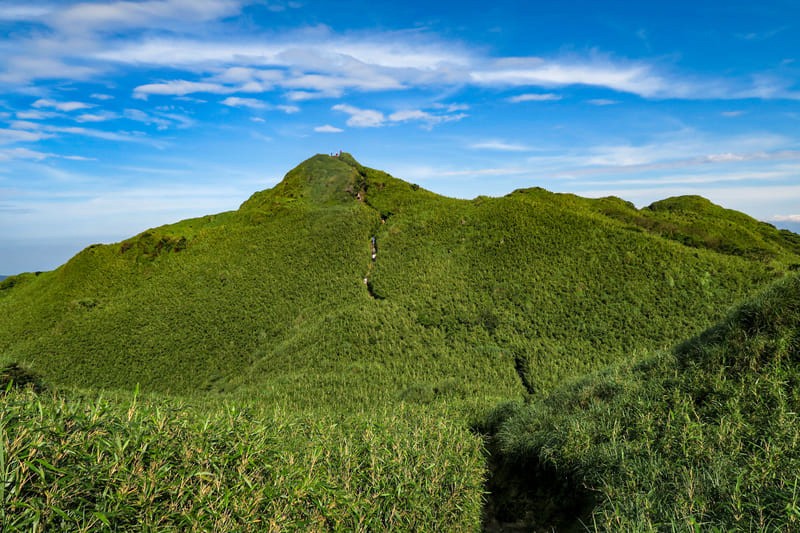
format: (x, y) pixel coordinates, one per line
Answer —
(37, 255)
(33, 255)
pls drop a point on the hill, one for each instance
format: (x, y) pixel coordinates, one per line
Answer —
(701, 437)
(493, 297)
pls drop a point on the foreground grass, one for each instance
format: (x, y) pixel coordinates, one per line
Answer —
(701, 438)
(80, 462)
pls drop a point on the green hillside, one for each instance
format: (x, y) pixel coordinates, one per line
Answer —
(274, 345)
(465, 298)
(702, 437)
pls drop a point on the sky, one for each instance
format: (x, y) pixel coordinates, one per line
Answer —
(119, 116)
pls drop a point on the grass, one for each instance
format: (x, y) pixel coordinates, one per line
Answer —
(80, 462)
(702, 437)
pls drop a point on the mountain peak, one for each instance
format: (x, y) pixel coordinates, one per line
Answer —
(319, 180)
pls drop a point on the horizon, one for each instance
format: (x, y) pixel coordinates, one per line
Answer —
(126, 115)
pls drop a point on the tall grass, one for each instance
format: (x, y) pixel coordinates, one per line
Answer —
(80, 463)
(701, 438)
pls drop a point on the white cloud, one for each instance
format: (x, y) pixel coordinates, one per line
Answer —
(97, 134)
(35, 114)
(23, 12)
(22, 153)
(101, 96)
(155, 14)
(633, 78)
(682, 147)
(327, 128)
(36, 61)
(257, 119)
(451, 108)
(179, 88)
(731, 114)
(429, 119)
(602, 101)
(161, 120)
(252, 103)
(361, 118)
(96, 117)
(34, 155)
(786, 218)
(8, 136)
(500, 145)
(35, 131)
(411, 114)
(61, 106)
(535, 97)
(300, 96)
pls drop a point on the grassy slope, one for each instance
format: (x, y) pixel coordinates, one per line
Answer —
(463, 294)
(704, 435)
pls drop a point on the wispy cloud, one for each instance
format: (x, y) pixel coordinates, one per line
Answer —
(602, 101)
(34, 131)
(535, 97)
(61, 106)
(10, 136)
(102, 116)
(361, 118)
(252, 103)
(83, 18)
(327, 128)
(786, 218)
(180, 88)
(35, 114)
(162, 120)
(428, 119)
(500, 146)
(636, 78)
(22, 153)
(35, 155)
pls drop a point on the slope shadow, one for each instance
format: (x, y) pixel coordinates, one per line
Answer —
(533, 496)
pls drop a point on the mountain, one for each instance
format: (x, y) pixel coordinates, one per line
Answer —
(488, 298)
(703, 436)
(340, 352)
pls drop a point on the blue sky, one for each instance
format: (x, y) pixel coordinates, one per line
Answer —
(118, 116)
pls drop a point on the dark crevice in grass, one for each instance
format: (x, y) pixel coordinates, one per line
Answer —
(532, 495)
(526, 492)
(522, 368)
(372, 293)
(15, 376)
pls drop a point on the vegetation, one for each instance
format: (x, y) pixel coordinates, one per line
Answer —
(272, 329)
(702, 437)
(79, 462)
